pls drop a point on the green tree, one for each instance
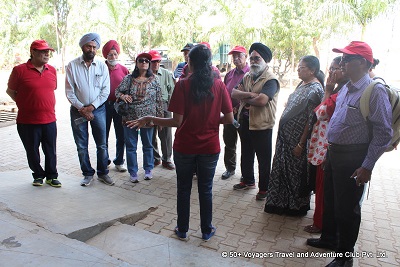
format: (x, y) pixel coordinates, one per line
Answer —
(290, 33)
(359, 12)
(61, 12)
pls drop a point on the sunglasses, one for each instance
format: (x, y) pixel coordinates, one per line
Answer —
(143, 60)
(43, 51)
(347, 59)
(155, 61)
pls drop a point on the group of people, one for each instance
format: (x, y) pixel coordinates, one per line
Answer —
(92, 86)
(324, 144)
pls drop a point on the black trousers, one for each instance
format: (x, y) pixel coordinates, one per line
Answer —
(255, 143)
(342, 197)
(32, 135)
(230, 136)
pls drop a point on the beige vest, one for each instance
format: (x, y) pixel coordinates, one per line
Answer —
(261, 118)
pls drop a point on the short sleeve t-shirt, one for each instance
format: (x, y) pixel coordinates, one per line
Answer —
(199, 131)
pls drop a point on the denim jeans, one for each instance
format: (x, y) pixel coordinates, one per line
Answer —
(81, 136)
(34, 135)
(205, 168)
(112, 115)
(131, 141)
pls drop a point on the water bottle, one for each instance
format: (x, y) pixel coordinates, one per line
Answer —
(235, 123)
(80, 120)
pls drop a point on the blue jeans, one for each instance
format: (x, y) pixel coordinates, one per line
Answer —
(131, 141)
(112, 115)
(205, 168)
(81, 136)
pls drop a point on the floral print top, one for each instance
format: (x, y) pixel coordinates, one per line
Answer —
(146, 95)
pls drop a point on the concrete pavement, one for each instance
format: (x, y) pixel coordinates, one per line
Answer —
(132, 224)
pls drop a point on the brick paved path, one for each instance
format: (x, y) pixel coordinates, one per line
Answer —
(242, 226)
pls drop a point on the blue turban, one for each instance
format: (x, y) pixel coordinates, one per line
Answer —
(91, 36)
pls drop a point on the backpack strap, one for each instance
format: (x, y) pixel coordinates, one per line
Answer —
(365, 98)
(376, 78)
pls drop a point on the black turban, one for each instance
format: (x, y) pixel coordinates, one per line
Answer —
(263, 50)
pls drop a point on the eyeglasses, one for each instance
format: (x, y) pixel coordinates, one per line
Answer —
(256, 58)
(143, 60)
(155, 61)
(43, 51)
(333, 69)
(237, 56)
(347, 59)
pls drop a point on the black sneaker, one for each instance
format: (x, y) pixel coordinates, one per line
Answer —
(37, 182)
(243, 186)
(261, 195)
(53, 182)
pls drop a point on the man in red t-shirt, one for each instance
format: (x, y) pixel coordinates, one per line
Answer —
(31, 85)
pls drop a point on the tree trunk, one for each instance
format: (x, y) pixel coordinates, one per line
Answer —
(316, 50)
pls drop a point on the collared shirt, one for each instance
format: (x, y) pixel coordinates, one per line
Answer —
(232, 79)
(166, 82)
(347, 125)
(87, 86)
(179, 69)
(35, 96)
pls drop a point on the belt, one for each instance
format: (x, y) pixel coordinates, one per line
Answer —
(347, 148)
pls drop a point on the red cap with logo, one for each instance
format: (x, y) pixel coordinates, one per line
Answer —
(144, 55)
(357, 48)
(155, 55)
(40, 45)
(206, 44)
(238, 49)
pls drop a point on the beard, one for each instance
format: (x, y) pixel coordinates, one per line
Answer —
(89, 55)
(256, 69)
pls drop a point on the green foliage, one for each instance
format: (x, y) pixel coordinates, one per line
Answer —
(291, 28)
(290, 34)
(357, 12)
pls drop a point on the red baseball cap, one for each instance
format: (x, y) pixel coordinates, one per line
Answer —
(40, 45)
(206, 44)
(145, 55)
(357, 48)
(155, 55)
(238, 49)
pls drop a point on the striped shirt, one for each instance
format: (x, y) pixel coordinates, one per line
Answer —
(347, 125)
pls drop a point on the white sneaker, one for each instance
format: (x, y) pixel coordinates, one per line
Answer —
(148, 175)
(121, 168)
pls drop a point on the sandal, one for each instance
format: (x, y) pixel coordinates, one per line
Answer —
(312, 229)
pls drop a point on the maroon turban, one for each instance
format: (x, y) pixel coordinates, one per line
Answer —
(112, 44)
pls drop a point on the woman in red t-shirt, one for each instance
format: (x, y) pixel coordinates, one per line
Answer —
(197, 103)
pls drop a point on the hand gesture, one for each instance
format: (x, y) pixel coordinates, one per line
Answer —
(126, 98)
(331, 82)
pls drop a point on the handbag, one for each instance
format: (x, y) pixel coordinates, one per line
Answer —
(121, 107)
